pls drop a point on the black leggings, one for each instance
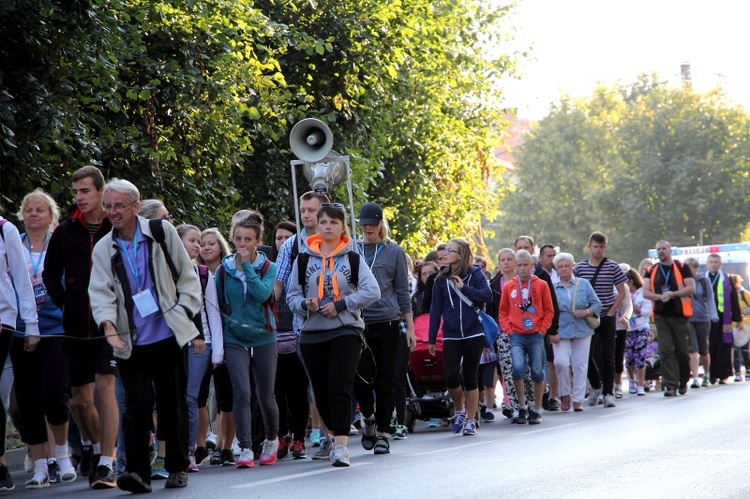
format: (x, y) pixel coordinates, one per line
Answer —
(461, 360)
(291, 395)
(399, 381)
(382, 340)
(41, 379)
(5, 338)
(602, 356)
(331, 366)
(620, 338)
(223, 389)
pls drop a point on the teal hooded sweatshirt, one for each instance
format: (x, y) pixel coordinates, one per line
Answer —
(244, 291)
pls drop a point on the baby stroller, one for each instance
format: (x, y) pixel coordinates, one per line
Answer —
(426, 379)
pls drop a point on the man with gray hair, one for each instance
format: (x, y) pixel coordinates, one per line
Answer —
(144, 294)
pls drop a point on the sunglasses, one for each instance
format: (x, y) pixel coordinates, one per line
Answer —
(338, 206)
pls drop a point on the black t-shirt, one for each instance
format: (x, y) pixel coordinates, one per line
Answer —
(666, 273)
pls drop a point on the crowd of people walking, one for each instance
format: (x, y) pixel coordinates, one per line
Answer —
(121, 320)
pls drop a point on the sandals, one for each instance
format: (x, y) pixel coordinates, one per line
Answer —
(369, 438)
(382, 446)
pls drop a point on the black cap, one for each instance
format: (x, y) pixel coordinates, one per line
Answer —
(370, 214)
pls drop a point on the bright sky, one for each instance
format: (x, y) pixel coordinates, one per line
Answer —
(577, 43)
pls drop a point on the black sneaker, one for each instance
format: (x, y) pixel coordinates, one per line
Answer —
(298, 450)
(216, 458)
(553, 405)
(201, 453)
(176, 480)
(95, 465)
(133, 483)
(535, 417)
(6, 482)
(522, 416)
(227, 457)
(54, 471)
(682, 390)
(87, 460)
(102, 478)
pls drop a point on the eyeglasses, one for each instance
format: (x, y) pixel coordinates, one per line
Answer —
(338, 206)
(450, 250)
(117, 207)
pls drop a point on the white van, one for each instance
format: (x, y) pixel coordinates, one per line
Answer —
(735, 257)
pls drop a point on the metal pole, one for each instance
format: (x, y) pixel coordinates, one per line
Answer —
(296, 208)
(351, 204)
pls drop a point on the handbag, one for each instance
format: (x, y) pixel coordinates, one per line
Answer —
(592, 320)
(489, 325)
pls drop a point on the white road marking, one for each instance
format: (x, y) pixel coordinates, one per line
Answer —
(293, 477)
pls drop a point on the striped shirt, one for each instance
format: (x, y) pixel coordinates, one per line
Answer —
(609, 276)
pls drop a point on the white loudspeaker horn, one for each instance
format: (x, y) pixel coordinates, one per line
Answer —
(311, 140)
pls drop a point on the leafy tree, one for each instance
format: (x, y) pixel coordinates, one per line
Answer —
(640, 163)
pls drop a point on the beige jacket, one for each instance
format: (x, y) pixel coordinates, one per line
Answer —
(179, 301)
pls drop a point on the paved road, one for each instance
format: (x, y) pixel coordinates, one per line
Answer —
(692, 446)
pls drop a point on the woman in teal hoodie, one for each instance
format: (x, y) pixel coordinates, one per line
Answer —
(245, 287)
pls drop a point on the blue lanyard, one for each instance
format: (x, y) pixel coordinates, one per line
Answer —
(665, 274)
(133, 266)
(36, 265)
(713, 281)
(361, 249)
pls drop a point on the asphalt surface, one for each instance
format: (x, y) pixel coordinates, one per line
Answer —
(696, 445)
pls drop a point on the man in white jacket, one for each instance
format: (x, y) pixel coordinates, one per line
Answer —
(144, 294)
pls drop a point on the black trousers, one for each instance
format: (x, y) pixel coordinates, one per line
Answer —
(382, 340)
(291, 395)
(602, 356)
(164, 365)
(401, 371)
(41, 379)
(331, 367)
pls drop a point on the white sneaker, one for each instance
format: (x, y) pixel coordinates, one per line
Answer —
(236, 447)
(633, 388)
(609, 401)
(593, 397)
(339, 455)
(269, 451)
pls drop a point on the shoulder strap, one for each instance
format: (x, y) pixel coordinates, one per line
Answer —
(354, 266)
(460, 294)
(203, 275)
(295, 249)
(157, 231)
(302, 260)
(269, 306)
(2, 234)
(222, 284)
(575, 295)
(596, 273)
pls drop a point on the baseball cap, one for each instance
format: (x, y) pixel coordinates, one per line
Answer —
(370, 214)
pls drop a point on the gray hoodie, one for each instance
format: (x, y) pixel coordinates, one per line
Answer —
(350, 301)
(387, 262)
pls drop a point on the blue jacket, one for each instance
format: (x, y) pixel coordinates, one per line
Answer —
(246, 325)
(459, 320)
(571, 327)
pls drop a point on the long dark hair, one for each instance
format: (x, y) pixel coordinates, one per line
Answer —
(286, 225)
(464, 261)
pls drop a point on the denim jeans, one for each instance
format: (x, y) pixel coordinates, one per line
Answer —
(527, 350)
(197, 367)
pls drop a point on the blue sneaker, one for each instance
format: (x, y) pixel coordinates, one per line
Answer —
(158, 471)
(315, 436)
(120, 465)
(470, 428)
(457, 421)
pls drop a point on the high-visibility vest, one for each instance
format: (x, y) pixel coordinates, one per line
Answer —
(687, 302)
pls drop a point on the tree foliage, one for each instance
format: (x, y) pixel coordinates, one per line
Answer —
(640, 163)
(193, 102)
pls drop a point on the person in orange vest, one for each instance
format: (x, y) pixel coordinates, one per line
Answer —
(670, 285)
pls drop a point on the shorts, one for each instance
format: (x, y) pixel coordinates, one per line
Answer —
(699, 337)
(87, 358)
(486, 374)
(223, 389)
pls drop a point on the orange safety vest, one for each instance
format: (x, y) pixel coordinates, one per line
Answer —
(687, 302)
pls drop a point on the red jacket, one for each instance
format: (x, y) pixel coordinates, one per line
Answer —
(511, 316)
